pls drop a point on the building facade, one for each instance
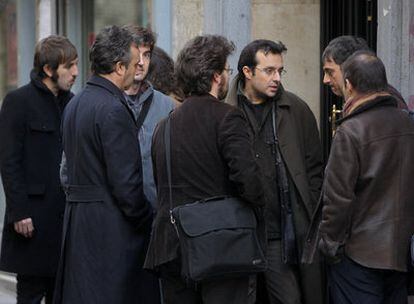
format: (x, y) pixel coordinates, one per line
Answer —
(298, 23)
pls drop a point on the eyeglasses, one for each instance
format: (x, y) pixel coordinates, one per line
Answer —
(270, 71)
(229, 70)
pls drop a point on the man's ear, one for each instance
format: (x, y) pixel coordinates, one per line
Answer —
(217, 77)
(48, 70)
(348, 85)
(119, 68)
(248, 73)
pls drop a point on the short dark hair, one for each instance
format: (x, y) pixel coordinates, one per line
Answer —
(248, 54)
(340, 48)
(161, 73)
(197, 62)
(366, 72)
(112, 45)
(53, 51)
(142, 36)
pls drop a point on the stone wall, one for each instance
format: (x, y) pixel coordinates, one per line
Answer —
(297, 24)
(395, 44)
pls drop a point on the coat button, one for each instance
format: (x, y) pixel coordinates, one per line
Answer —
(257, 155)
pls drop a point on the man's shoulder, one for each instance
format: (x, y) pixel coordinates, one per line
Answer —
(96, 99)
(22, 92)
(295, 102)
(163, 100)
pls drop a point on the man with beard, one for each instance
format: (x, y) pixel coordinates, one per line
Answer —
(287, 149)
(107, 216)
(210, 156)
(30, 154)
(149, 107)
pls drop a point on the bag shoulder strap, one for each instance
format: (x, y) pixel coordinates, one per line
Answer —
(144, 111)
(167, 143)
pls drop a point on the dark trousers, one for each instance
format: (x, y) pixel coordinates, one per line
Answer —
(221, 291)
(32, 289)
(280, 283)
(350, 282)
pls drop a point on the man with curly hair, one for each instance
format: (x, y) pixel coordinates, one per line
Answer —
(210, 156)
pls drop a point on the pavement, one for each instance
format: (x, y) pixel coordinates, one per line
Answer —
(7, 288)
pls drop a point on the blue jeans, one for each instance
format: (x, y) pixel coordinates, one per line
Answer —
(352, 283)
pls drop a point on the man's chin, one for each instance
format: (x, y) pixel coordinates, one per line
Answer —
(336, 92)
(138, 79)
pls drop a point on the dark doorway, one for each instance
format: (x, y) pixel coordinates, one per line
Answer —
(343, 17)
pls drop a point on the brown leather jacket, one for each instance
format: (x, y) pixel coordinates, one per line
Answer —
(368, 192)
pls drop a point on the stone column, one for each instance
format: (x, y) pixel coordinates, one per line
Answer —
(46, 23)
(232, 19)
(162, 21)
(395, 44)
(26, 39)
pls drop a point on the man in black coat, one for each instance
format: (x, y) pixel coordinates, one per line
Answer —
(30, 154)
(287, 148)
(211, 155)
(107, 215)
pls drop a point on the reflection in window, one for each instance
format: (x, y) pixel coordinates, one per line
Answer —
(100, 13)
(8, 51)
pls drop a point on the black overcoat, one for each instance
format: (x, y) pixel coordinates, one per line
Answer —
(30, 152)
(107, 213)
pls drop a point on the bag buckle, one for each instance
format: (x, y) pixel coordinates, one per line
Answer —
(172, 219)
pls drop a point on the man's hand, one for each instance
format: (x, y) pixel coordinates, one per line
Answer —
(24, 227)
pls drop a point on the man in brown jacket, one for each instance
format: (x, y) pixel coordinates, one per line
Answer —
(368, 210)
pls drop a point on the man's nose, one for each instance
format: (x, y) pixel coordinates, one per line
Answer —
(326, 78)
(141, 59)
(75, 70)
(276, 76)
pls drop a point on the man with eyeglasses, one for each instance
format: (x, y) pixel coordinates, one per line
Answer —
(287, 149)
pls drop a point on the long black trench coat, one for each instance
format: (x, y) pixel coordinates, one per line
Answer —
(30, 152)
(107, 215)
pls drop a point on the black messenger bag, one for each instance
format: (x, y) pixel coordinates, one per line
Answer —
(218, 236)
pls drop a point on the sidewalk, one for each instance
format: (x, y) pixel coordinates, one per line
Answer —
(7, 288)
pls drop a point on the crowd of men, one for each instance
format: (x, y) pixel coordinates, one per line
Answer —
(87, 194)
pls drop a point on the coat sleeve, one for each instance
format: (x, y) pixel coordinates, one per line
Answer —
(12, 135)
(341, 176)
(237, 150)
(123, 165)
(313, 157)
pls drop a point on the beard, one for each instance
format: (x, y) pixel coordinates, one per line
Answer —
(222, 90)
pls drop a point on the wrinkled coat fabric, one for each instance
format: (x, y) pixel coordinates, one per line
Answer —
(301, 151)
(107, 215)
(210, 156)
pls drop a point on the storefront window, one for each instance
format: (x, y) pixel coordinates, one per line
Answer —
(84, 19)
(8, 51)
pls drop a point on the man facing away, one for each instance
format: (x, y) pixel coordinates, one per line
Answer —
(287, 149)
(30, 154)
(107, 216)
(210, 156)
(368, 216)
(149, 107)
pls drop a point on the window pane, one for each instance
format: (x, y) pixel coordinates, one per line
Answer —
(8, 53)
